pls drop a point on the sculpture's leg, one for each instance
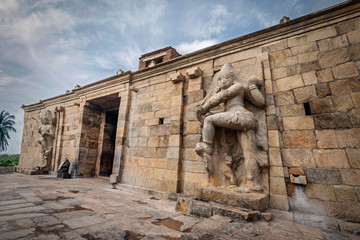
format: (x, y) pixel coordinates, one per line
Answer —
(247, 140)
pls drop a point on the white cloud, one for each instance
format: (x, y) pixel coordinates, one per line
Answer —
(130, 57)
(187, 47)
(216, 21)
(264, 18)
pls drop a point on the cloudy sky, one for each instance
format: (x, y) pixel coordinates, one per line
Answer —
(49, 46)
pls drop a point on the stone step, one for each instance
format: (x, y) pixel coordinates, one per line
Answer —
(190, 206)
(253, 201)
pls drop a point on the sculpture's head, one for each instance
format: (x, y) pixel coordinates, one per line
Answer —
(226, 76)
(46, 117)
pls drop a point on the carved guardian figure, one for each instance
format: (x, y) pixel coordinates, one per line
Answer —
(46, 139)
(229, 132)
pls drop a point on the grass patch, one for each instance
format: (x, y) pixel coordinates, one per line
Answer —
(9, 160)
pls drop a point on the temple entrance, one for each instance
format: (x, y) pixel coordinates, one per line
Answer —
(108, 145)
(97, 145)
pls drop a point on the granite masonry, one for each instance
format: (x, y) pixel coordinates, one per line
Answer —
(141, 128)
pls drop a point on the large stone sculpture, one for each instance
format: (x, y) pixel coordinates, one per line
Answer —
(229, 146)
(46, 139)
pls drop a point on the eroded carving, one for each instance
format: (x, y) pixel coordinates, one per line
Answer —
(47, 136)
(230, 142)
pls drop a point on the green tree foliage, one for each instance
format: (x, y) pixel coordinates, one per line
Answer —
(6, 126)
(9, 160)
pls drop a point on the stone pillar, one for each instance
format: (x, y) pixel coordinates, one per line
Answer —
(58, 137)
(121, 133)
(100, 143)
(175, 138)
(78, 137)
(277, 191)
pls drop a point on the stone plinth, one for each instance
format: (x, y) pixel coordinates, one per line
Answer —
(254, 201)
(190, 206)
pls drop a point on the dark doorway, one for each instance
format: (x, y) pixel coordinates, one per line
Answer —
(108, 148)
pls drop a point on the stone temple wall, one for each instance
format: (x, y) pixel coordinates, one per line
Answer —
(309, 129)
(314, 122)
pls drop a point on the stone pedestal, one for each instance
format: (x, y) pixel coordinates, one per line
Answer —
(253, 201)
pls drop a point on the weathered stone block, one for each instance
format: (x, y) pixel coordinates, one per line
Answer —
(356, 99)
(277, 172)
(308, 47)
(279, 73)
(235, 213)
(272, 122)
(284, 98)
(255, 201)
(322, 105)
(296, 171)
(346, 70)
(280, 55)
(355, 52)
(194, 72)
(279, 202)
(200, 209)
(353, 36)
(340, 87)
(333, 58)
(299, 139)
(177, 77)
(325, 75)
(320, 191)
(277, 46)
(182, 204)
(273, 138)
(289, 83)
(340, 41)
(298, 158)
(309, 78)
(275, 157)
(350, 176)
(308, 57)
(355, 84)
(345, 193)
(322, 89)
(323, 176)
(348, 138)
(326, 139)
(354, 157)
(325, 45)
(305, 94)
(292, 110)
(343, 103)
(335, 158)
(347, 211)
(309, 66)
(298, 123)
(332, 120)
(298, 179)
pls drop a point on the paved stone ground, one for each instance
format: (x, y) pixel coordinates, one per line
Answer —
(43, 207)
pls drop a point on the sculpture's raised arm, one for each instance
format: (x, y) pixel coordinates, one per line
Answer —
(220, 97)
(253, 94)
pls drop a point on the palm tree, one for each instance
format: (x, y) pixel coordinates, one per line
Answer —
(6, 126)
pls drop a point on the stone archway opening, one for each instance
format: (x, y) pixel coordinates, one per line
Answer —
(99, 135)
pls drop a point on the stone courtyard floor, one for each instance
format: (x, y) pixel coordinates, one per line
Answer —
(44, 207)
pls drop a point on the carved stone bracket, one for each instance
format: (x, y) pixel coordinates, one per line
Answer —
(194, 72)
(177, 77)
(134, 89)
